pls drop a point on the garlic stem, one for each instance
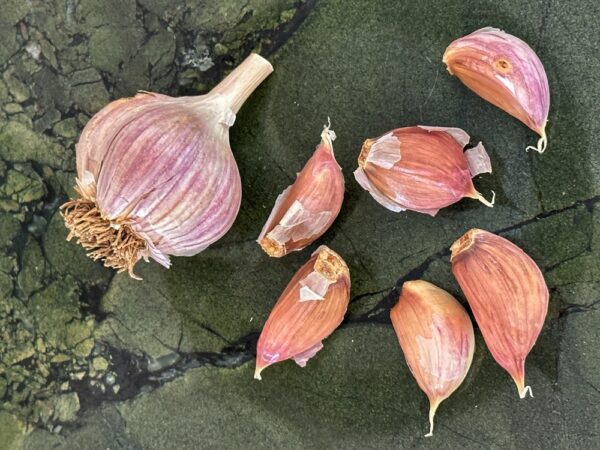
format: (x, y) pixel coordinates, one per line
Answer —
(477, 196)
(523, 392)
(485, 202)
(520, 382)
(257, 372)
(243, 80)
(541, 144)
(433, 406)
(328, 135)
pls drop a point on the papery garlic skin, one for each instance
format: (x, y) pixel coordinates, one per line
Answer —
(437, 339)
(422, 169)
(310, 308)
(307, 208)
(507, 294)
(506, 72)
(156, 174)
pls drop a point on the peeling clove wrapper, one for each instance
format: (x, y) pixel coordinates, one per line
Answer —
(507, 294)
(506, 72)
(310, 308)
(422, 168)
(156, 176)
(307, 208)
(436, 337)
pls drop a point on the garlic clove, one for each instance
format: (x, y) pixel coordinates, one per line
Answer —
(307, 208)
(507, 294)
(310, 308)
(422, 169)
(156, 176)
(436, 337)
(506, 72)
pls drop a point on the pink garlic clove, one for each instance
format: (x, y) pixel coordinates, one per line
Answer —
(422, 169)
(507, 294)
(436, 336)
(506, 72)
(156, 174)
(307, 208)
(310, 308)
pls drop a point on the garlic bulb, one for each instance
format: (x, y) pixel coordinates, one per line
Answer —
(310, 308)
(307, 208)
(422, 169)
(507, 294)
(506, 72)
(156, 174)
(436, 336)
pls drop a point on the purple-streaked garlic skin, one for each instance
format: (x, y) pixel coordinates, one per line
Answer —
(421, 169)
(505, 71)
(163, 167)
(190, 191)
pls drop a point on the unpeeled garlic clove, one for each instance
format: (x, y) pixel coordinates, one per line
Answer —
(506, 72)
(421, 168)
(307, 208)
(310, 308)
(507, 294)
(156, 176)
(436, 336)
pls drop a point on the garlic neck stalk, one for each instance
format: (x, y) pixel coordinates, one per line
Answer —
(242, 81)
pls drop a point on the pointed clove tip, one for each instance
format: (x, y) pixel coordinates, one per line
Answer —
(257, 372)
(411, 284)
(522, 389)
(541, 144)
(432, 409)
(417, 287)
(482, 199)
(523, 393)
(328, 135)
(519, 379)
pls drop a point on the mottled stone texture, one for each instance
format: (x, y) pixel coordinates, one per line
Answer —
(67, 337)
(93, 360)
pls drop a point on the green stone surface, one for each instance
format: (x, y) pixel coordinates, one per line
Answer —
(92, 359)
